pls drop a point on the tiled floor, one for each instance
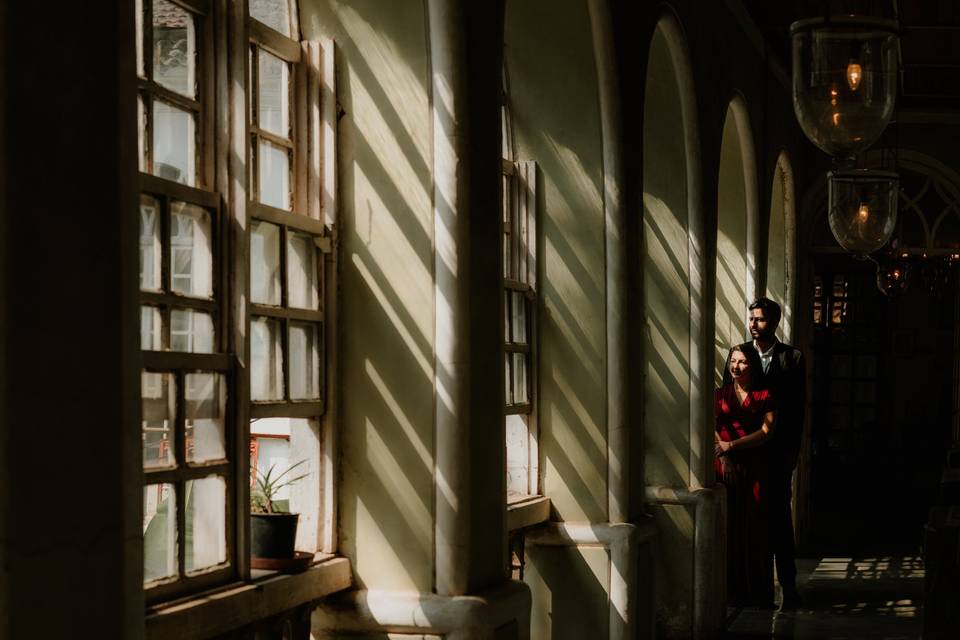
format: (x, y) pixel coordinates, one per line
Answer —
(875, 598)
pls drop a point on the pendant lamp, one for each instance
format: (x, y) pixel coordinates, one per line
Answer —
(844, 80)
(862, 208)
(893, 276)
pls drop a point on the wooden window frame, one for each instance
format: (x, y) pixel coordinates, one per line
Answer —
(176, 363)
(223, 40)
(291, 52)
(312, 213)
(519, 239)
(148, 89)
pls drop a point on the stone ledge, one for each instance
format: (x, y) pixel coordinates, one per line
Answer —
(215, 613)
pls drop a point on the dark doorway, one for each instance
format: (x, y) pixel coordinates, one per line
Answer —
(883, 380)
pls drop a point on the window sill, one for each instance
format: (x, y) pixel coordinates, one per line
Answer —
(233, 607)
(527, 511)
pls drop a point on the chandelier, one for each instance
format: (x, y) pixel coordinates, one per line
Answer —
(844, 80)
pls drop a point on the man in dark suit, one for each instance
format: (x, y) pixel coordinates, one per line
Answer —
(785, 374)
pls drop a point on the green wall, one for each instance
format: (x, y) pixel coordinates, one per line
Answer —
(386, 282)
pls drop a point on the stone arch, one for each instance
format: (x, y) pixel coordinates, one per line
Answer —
(780, 280)
(737, 231)
(673, 264)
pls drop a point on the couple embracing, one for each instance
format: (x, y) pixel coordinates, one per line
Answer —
(759, 421)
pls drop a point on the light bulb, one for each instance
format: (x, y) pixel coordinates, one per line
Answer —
(854, 74)
(863, 213)
(836, 118)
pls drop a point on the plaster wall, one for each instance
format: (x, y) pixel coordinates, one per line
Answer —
(666, 275)
(386, 284)
(731, 293)
(556, 122)
(570, 592)
(776, 247)
(666, 285)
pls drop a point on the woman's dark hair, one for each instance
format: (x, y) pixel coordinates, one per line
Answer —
(757, 378)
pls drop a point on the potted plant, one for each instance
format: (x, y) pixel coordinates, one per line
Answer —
(273, 529)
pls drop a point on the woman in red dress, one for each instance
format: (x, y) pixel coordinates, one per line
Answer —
(745, 411)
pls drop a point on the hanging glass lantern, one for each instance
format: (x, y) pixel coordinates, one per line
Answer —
(863, 208)
(893, 276)
(844, 80)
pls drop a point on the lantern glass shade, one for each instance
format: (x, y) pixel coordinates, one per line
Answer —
(863, 208)
(844, 80)
(893, 277)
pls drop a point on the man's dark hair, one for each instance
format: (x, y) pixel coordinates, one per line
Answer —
(771, 310)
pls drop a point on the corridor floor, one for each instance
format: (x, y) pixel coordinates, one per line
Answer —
(869, 598)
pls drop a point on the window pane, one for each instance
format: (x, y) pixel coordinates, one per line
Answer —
(191, 331)
(141, 134)
(518, 455)
(174, 143)
(270, 447)
(508, 378)
(159, 531)
(304, 362)
(150, 326)
(506, 315)
(519, 312)
(505, 208)
(280, 443)
(205, 519)
(159, 406)
(266, 360)
(149, 244)
(174, 48)
(273, 94)
(264, 263)
(273, 13)
(206, 399)
(301, 272)
(274, 175)
(138, 9)
(191, 257)
(520, 378)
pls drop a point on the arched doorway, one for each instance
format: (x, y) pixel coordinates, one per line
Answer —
(675, 345)
(736, 225)
(781, 248)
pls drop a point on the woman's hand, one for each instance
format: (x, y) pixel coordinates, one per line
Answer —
(722, 447)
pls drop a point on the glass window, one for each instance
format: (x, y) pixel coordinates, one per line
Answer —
(266, 360)
(158, 397)
(159, 532)
(191, 250)
(206, 401)
(302, 271)
(206, 544)
(174, 48)
(273, 13)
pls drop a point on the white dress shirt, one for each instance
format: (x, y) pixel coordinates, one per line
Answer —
(766, 356)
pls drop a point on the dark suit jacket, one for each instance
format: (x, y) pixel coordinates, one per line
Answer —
(787, 380)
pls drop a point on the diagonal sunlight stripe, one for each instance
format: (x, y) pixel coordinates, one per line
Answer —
(408, 430)
(426, 365)
(417, 515)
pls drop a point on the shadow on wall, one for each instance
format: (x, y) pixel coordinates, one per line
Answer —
(386, 493)
(732, 242)
(558, 125)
